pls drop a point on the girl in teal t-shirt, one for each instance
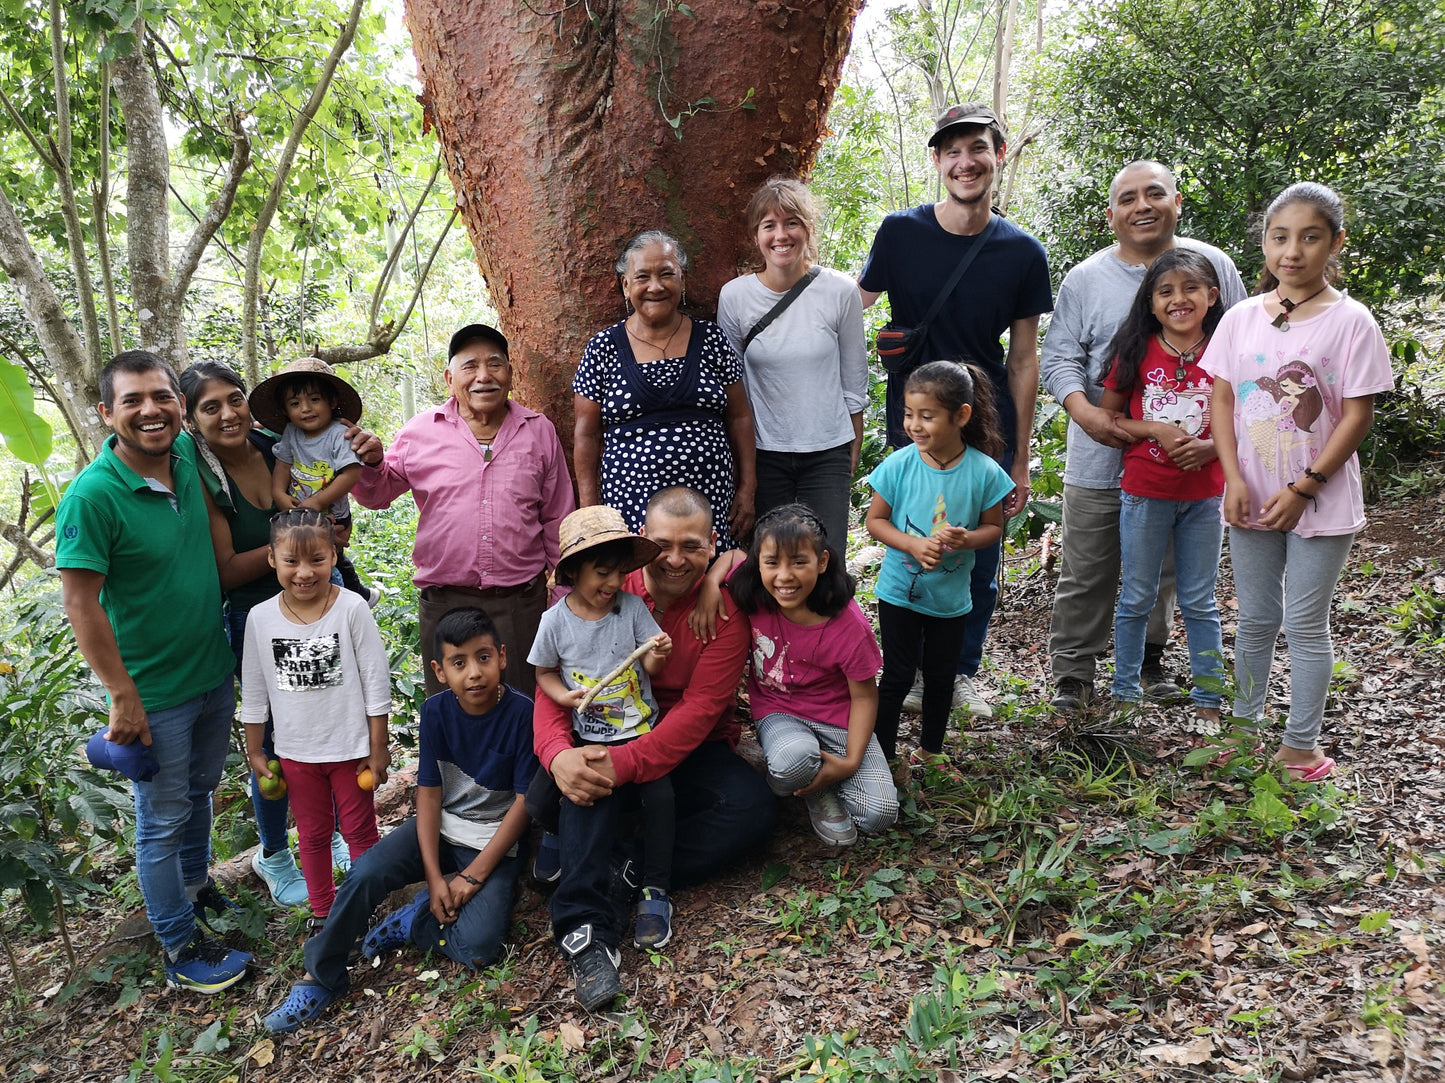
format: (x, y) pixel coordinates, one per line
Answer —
(934, 503)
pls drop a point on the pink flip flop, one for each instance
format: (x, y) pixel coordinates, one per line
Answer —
(1311, 774)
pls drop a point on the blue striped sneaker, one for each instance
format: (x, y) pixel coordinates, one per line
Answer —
(203, 966)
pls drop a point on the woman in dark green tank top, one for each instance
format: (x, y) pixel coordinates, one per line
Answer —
(235, 464)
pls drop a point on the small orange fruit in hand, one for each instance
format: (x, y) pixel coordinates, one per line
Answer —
(365, 779)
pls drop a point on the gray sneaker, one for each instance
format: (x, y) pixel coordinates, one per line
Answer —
(831, 821)
(913, 702)
(967, 696)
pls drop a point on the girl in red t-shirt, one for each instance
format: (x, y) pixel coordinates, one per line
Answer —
(1172, 481)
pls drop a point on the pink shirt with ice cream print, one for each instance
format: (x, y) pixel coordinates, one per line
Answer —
(1289, 388)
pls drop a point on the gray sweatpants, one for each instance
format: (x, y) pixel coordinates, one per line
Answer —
(1284, 579)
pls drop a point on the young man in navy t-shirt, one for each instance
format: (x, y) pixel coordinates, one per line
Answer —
(1006, 288)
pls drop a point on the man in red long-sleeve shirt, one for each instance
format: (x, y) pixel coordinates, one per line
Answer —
(724, 807)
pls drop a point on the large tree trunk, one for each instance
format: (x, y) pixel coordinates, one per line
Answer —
(561, 134)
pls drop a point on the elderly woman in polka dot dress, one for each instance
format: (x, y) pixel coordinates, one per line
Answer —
(659, 400)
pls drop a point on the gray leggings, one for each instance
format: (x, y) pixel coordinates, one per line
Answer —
(1289, 580)
(793, 745)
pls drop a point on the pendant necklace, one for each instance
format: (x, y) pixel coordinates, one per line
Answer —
(1282, 320)
(662, 350)
(330, 598)
(788, 643)
(944, 464)
(1186, 356)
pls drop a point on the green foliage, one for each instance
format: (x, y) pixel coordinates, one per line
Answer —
(1420, 616)
(57, 814)
(1243, 99)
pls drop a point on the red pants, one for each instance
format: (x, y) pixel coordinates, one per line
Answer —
(324, 795)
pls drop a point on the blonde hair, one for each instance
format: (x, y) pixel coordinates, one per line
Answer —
(791, 197)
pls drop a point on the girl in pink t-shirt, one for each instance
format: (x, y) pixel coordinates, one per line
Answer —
(1296, 370)
(813, 686)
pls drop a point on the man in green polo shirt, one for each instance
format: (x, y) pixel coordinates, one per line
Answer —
(143, 597)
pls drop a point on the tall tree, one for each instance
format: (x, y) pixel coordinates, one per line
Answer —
(1242, 99)
(273, 144)
(570, 126)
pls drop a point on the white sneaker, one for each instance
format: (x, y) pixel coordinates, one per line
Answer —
(281, 877)
(831, 821)
(967, 696)
(913, 702)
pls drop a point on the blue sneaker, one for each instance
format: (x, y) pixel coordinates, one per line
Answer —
(305, 1003)
(340, 853)
(654, 919)
(281, 877)
(209, 901)
(548, 866)
(394, 931)
(203, 966)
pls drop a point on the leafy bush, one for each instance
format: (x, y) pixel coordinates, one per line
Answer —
(57, 813)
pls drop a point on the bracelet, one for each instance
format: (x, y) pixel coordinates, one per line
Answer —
(469, 879)
(1314, 475)
(1303, 496)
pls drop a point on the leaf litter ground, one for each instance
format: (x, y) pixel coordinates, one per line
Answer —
(1063, 912)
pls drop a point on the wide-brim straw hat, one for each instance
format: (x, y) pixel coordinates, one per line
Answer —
(587, 528)
(266, 405)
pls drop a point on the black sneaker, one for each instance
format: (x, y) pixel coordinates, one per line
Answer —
(1072, 695)
(594, 967)
(1157, 685)
(210, 902)
(622, 890)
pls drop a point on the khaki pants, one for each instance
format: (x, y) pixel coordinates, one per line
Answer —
(1083, 616)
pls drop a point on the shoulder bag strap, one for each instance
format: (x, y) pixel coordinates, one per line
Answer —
(783, 302)
(954, 278)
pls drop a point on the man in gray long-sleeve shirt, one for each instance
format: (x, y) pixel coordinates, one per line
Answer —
(1143, 210)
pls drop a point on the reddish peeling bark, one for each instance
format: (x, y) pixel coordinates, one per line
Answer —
(560, 149)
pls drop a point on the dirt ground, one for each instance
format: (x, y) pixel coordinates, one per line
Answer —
(1297, 955)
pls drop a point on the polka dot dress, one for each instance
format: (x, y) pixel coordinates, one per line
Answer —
(663, 426)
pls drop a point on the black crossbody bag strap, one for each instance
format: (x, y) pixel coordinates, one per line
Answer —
(954, 278)
(783, 302)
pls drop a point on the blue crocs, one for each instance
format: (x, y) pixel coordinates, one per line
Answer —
(394, 931)
(306, 1002)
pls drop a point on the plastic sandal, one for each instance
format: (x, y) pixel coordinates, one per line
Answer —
(306, 1002)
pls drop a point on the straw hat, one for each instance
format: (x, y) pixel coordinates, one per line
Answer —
(266, 405)
(587, 528)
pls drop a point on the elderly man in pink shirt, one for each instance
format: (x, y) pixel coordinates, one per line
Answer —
(491, 483)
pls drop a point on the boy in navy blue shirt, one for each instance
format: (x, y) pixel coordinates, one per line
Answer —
(475, 764)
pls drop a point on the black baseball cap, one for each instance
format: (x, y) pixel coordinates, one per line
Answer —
(476, 332)
(969, 113)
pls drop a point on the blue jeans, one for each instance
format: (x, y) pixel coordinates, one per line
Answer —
(173, 810)
(1146, 525)
(983, 588)
(474, 939)
(270, 815)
